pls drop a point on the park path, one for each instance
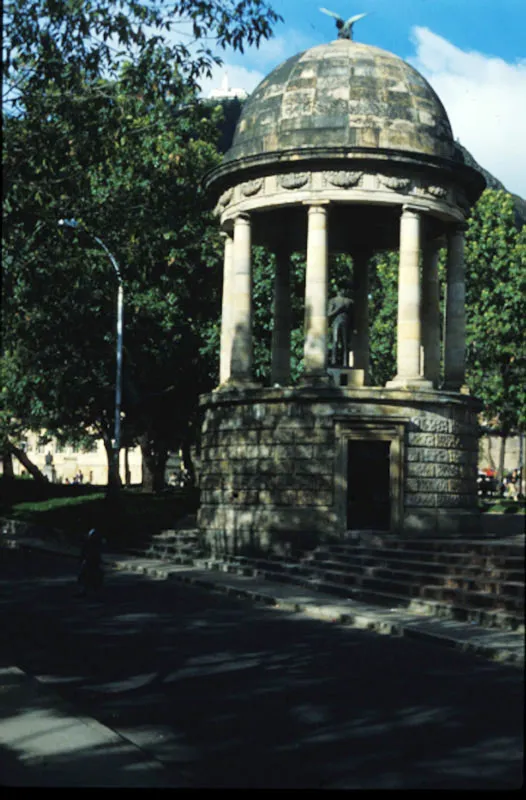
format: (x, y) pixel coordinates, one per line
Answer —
(212, 691)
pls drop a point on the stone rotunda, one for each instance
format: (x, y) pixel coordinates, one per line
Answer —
(342, 148)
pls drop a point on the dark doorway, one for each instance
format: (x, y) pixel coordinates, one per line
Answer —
(368, 497)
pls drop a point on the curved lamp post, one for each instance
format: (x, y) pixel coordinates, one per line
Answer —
(72, 223)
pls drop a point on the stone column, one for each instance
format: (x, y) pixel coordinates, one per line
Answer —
(316, 295)
(409, 370)
(360, 339)
(455, 326)
(242, 353)
(430, 317)
(227, 310)
(280, 368)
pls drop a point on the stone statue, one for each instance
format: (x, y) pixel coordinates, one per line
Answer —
(340, 317)
(344, 28)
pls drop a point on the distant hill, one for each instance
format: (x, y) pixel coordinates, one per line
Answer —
(493, 183)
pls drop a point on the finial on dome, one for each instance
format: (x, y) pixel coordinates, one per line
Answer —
(344, 28)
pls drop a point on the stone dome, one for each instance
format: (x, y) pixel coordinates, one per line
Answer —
(343, 95)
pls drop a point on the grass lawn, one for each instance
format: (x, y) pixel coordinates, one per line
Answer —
(502, 506)
(76, 509)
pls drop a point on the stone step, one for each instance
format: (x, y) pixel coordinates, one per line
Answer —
(173, 545)
(462, 578)
(401, 583)
(179, 536)
(421, 568)
(437, 542)
(481, 616)
(408, 585)
(508, 551)
(170, 554)
(366, 556)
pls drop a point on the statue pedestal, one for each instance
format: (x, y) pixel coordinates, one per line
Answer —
(347, 376)
(50, 473)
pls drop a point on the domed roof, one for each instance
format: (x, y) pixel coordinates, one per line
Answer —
(343, 95)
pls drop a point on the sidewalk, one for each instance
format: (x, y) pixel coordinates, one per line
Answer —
(43, 743)
(498, 645)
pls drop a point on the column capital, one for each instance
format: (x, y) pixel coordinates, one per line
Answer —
(435, 244)
(243, 216)
(458, 227)
(416, 211)
(316, 205)
(431, 247)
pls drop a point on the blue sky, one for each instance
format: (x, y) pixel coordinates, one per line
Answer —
(473, 52)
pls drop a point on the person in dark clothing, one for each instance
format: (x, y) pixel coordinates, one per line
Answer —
(90, 574)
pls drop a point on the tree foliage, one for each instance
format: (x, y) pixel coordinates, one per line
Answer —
(61, 44)
(104, 125)
(496, 310)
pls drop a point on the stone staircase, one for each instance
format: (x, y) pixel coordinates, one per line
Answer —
(481, 581)
(180, 545)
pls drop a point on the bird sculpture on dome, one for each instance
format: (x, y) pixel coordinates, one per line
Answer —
(344, 28)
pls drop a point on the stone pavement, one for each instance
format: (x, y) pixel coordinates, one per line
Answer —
(149, 687)
(43, 742)
(498, 645)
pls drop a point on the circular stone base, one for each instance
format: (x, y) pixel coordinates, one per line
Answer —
(276, 466)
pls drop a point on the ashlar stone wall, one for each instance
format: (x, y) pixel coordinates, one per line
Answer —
(273, 476)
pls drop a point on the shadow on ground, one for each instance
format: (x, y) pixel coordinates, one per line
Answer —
(226, 694)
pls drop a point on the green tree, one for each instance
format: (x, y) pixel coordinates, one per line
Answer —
(135, 186)
(125, 157)
(496, 309)
(63, 43)
(383, 305)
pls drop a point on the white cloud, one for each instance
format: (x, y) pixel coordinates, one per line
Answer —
(238, 78)
(485, 100)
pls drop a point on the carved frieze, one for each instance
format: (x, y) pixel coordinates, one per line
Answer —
(329, 184)
(250, 188)
(395, 183)
(343, 179)
(427, 190)
(294, 180)
(225, 198)
(436, 191)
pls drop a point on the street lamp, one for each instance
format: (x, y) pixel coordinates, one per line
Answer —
(72, 223)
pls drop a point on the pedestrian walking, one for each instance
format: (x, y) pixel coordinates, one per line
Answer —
(91, 575)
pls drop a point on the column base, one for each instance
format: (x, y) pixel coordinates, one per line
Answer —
(280, 381)
(347, 376)
(400, 382)
(454, 386)
(322, 379)
(235, 384)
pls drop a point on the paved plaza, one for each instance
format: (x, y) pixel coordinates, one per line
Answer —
(160, 683)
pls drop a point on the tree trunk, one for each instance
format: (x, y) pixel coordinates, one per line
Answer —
(26, 462)
(521, 463)
(502, 454)
(188, 461)
(114, 480)
(7, 463)
(127, 473)
(154, 460)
